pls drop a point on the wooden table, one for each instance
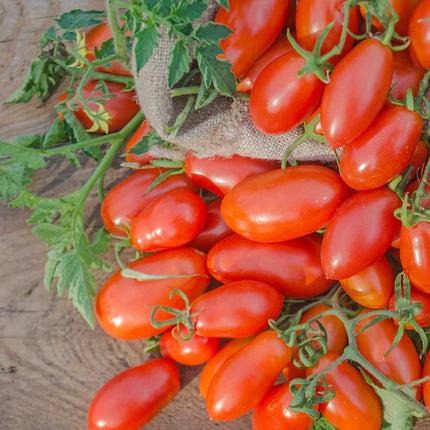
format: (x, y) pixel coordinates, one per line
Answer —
(52, 363)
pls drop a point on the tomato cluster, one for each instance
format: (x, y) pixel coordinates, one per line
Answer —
(236, 254)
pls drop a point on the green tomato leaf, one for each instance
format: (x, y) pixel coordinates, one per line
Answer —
(147, 40)
(49, 36)
(13, 179)
(322, 424)
(54, 135)
(211, 33)
(19, 150)
(189, 11)
(78, 18)
(179, 63)
(216, 72)
(223, 3)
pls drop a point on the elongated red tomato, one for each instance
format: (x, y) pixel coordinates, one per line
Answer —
(134, 397)
(356, 405)
(190, 352)
(417, 296)
(171, 219)
(402, 364)
(262, 207)
(246, 377)
(94, 38)
(415, 254)
(406, 75)
(273, 413)
(359, 233)
(313, 16)
(280, 101)
(235, 258)
(142, 131)
(128, 198)
(238, 309)
(214, 230)
(255, 26)
(419, 33)
(393, 135)
(373, 286)
(280, 47)
(123, 305)
(212, 366)
(358, 88)
(220, 174)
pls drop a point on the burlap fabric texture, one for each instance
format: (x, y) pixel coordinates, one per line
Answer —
(222, 128)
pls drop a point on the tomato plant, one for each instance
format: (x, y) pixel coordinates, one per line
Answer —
(142, 159)
(123, 305)
(128, 198)
(356, 405)
(220, 174)
(415, 254)
(214, 230)
(255, 26)
(94, 38)
(261, 207)
(121, 108)
(359, 233)
(211, 367)
(169, 220)
(358, 87)
(419, 33)
(191, 352)
(393, 136)
(402, 364)
(280, 100)
(373, 286)
(273, 413)
(134, 397)
(235, 258)
(313, 16)
(238, 309)
(246, 377)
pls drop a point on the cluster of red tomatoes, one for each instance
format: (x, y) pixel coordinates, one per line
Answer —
(227, 242)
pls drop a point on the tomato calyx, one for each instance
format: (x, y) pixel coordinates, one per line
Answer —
(181, 319)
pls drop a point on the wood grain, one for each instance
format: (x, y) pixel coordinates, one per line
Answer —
(51, 362)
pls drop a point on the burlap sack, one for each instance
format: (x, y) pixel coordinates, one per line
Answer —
(222, 128)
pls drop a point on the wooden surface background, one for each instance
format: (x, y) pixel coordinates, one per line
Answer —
(51, 362)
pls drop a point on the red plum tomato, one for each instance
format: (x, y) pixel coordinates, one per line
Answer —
(419, 33)
(140, 159)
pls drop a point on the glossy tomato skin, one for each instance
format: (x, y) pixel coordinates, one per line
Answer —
(417, 296)
(406, 75)
(415, 254)
(418, 159)
(260, 208)
(373, 286)
(256, 367)
(419, 33)
(134, 397)
(123, 304)
(358, 88)
(235, 258)
(356, 405)
(212, 366)
(359, 233)
(402, 364)
(128, 198)
(214, 230)
(191, 352)
(94, 38)
(170, 220)
(122, 108)
(335, 329)
(280, 47)
(255, 26)
(273, 413)
(280, 101)
(220, 174)
(393, 136)
(142, 131)
(237, 309)
(313, 16)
